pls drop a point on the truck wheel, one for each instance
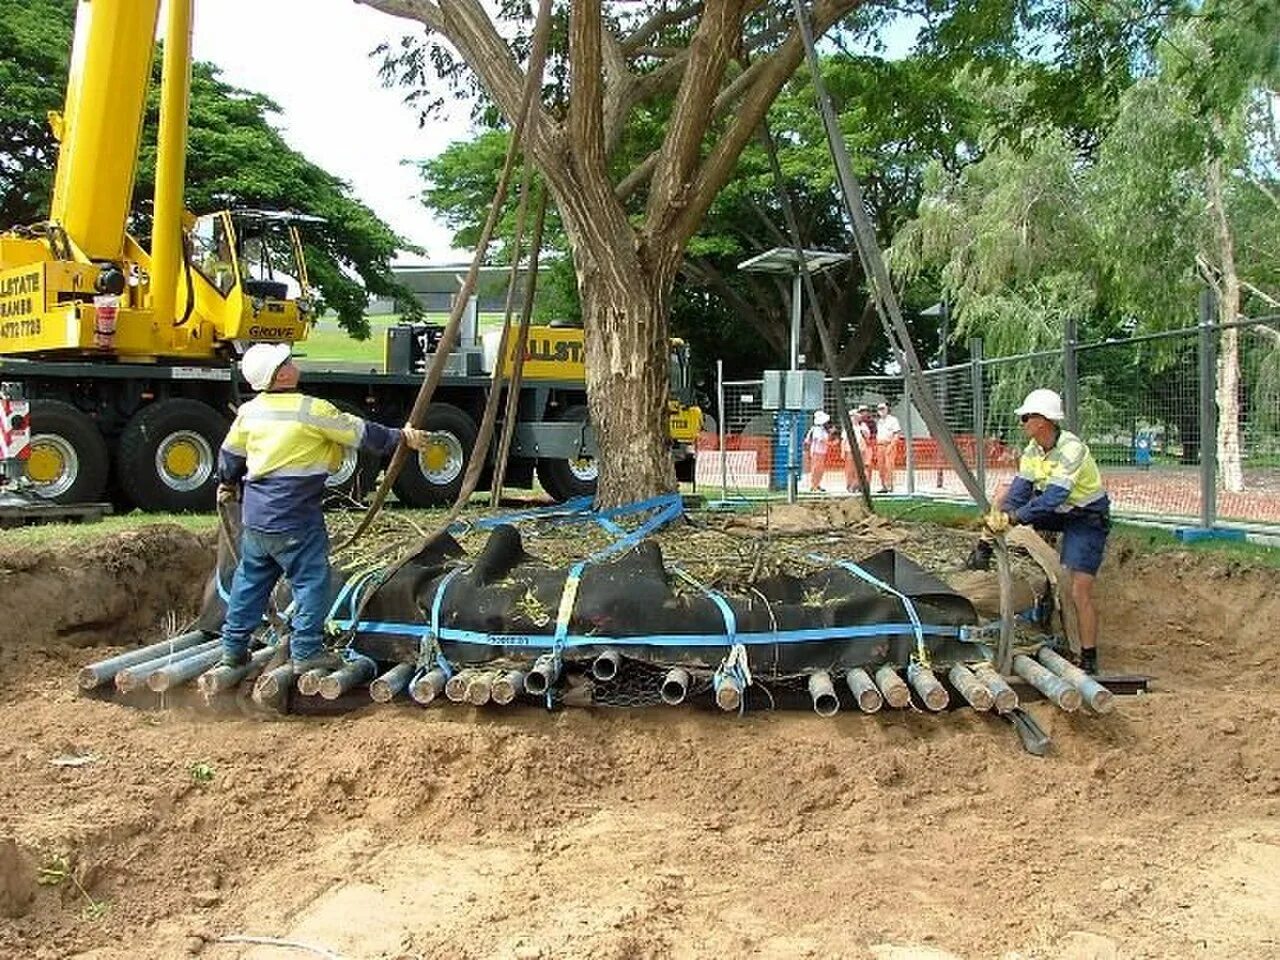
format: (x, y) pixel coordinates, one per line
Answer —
(358, 472)
(565, 479)
(434, 476)
(69, 461)
(168, 456)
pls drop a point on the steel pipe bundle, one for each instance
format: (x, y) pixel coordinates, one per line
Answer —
(309, 682)
(605, 666)
(220, 679)
(427, 687)
(544, 673)
(823, 694)
(96, 674)
(1062, 693)
(864, 691)
(895, 692)
(133, 677)
(970, 687)
(675, 686)
(455, 688)
(358, 671)
(1003, 695)
(272, 687)
(479, 688)
(506, 687)
(728, 690)
(929, 687)
(391, 684)
(1098, 697)
(183, 669)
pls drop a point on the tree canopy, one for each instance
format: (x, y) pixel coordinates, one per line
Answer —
(235, 157)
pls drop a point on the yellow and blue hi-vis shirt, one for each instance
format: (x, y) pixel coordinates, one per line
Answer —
(284, 446)
(1063, 480)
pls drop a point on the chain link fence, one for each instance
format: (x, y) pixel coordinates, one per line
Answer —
(1144, 405)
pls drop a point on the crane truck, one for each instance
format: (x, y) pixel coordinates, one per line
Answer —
(119, 362)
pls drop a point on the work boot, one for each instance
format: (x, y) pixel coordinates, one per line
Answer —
(326, 660)
(980, 557)
(234, 658)
(1089, 661)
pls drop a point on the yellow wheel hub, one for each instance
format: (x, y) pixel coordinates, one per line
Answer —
(46, 464)
(181, 459)
(435, 457)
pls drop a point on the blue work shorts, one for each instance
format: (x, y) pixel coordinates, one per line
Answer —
(1084, 538)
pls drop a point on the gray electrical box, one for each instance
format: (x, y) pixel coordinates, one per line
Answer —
(793, 390)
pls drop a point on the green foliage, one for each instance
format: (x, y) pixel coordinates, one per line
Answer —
(235, 157)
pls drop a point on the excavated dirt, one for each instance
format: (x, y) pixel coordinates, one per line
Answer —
(398, 832)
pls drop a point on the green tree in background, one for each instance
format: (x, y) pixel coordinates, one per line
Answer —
(235, 158)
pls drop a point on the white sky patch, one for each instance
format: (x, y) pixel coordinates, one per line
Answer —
(311, 58)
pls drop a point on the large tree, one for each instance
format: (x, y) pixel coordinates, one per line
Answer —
(710, 70)
(235, 157)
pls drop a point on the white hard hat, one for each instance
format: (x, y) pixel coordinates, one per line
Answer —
(261, 361)
(1047, 403)
(820, 417)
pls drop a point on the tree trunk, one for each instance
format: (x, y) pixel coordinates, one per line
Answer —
(1227, 391)
(625, 315)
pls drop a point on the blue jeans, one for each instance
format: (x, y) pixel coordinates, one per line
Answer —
(300, 555)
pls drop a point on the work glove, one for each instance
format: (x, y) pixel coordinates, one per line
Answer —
(414, 438)
(228, 493)
(997, 521)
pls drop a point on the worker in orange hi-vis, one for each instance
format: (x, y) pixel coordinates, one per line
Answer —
(863, 435)
(888, 432)
(815, 446)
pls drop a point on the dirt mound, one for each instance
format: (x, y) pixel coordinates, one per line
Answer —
(112, 591)
(448, 832)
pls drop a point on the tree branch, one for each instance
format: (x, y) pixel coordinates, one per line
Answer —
(658, 22)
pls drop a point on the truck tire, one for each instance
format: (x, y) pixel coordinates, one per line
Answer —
(434, 477)
(69, 461)
(563, 478)
(167, 458)
(358, 473)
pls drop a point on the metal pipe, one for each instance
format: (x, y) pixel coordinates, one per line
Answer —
(544, 673)
(895, 692)
(179, 672)
(864, 691)
(480, 689)
(823, 694)
(455, 688)
(970, 687)
(358, 671)
(309, 682)
(929, 687)
(96, 674)
(1050, 684)
(130, 678)
(391, 684)
(219, 679)
(675, 685)
(506, 687)
(272, 688)
(728, 690)
(427, 687)
(1004, 697)
(1098, 697)
(605, 666)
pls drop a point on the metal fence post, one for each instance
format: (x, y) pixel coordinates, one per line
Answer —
(724, 454)
(1208, 411)
(979, 412)
(1071, 375)
(908, 437)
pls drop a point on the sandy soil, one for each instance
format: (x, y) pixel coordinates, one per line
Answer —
(397, 832)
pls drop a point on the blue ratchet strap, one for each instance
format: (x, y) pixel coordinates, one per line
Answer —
(735, 663)
(922, 652)
(432, 639)
(574, 509)
(668, 507)
(568, 598)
